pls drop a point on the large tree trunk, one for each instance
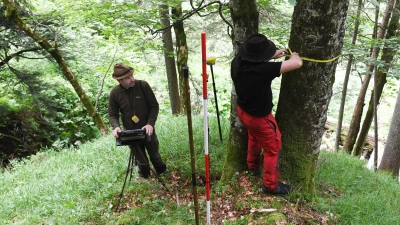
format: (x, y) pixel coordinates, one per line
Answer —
(387, 56)
(357, 114)
(181, 53)
(347, 75)
(317, 33)
(170, 61)
(244, 15)
(391, 156)
(11, 13)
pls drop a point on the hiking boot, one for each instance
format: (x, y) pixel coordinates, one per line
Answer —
(143, 172)
(282, 189)
(142, 176)
(161, 169)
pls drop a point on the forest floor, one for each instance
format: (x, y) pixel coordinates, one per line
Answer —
(243, 202)
(233, 205)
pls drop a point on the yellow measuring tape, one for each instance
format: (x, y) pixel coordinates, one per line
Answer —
(315, 60)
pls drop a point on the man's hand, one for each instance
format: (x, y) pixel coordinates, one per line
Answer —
(294, 62)
(116, 131)
(279, 53)
(149, 129)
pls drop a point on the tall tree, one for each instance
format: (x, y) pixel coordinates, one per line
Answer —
(358, 109)
(170, 60)
(388, 52)
(244, 14)
(347, 75)
(391, 156)
(181, 52)
(12, 14)
(317, 32)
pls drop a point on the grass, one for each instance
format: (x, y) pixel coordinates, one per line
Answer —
(361, 196)
(81, 186)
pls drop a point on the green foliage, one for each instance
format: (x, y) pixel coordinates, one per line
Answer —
(35, 114)
(68, 115)
(81, 185)
(92, 35)
(21, 129)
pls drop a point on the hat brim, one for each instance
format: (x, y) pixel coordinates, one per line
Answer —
(257, 57)
(129, 73)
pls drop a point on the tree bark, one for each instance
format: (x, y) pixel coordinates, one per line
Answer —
(317, 32)
(357, 113)
(170, 61)
(387, 57)
(391, 156)
(11, 13)
(245, 16)
(181, 54)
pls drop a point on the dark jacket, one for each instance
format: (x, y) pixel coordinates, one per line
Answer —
(142, 103)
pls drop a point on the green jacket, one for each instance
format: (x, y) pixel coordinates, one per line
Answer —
(142, 103)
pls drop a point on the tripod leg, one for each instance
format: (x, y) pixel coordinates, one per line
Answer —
(126, 176)
(216, 103)
(131, 163)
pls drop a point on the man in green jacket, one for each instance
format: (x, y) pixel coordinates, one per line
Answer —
(135, 101)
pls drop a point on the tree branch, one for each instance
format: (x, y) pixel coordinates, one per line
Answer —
(9, 136)
(195, 11)
(8, 58)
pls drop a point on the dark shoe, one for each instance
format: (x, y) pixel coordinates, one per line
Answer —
(161, 169)
(282, 189)
(142, 176)
(254, 173)
(143, 172)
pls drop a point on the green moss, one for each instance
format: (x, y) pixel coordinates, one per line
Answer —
(275, 217)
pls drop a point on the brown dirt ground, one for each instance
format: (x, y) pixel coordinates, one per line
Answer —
(232, 203)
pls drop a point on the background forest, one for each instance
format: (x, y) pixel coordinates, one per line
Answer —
(41, 109)
(55, 77)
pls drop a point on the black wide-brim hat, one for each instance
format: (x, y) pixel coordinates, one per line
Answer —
(257, 48)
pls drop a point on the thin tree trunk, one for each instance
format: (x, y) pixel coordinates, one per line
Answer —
(245, 15)
(391, 156)
(170, 61)
(387, 56)
(181, 54)
(305, 93)
(11, 13)
(346, 79)
(357, 113)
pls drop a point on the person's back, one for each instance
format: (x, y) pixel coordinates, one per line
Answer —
(252, 74)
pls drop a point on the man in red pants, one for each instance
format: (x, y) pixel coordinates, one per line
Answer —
(252, 74)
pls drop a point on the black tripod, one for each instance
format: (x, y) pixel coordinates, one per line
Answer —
(133, 138)
(131, 164)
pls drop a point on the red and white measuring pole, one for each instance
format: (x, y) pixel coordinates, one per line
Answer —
(205, 106)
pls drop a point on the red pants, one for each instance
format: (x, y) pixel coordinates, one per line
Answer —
(263, 132)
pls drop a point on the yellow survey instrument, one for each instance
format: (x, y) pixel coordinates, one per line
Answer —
(211, 60)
